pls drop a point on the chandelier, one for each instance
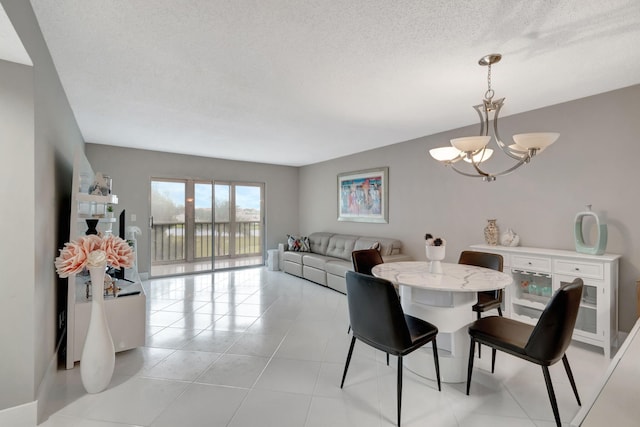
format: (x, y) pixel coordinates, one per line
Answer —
(473, 149)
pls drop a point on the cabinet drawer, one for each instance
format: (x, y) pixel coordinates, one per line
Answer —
(579, 269)
(531, 263)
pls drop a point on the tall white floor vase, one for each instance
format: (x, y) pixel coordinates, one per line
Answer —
(98, 355)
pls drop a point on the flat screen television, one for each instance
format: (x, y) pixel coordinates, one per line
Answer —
(121, 233)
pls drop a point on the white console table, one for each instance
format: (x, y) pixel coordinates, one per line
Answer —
(125, 315)
(537, 273)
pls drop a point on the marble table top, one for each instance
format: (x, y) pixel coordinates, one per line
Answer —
(454, 277)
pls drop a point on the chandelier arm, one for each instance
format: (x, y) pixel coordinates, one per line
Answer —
(471, 175)
(476, 166)
(515, 155)
(489, 177)
(484, 119)
(521, 162)
(452, 161)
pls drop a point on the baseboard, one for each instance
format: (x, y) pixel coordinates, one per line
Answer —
(144, 276)
(20, 416)
(619, 341)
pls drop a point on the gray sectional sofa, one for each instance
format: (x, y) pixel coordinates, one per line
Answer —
(329, 257)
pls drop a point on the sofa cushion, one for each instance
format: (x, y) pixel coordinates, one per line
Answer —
(338, 267)
(319, 242)
(315, 260)
(366, 243)
(337, 283)
(387, 246)
(293, 256)
(298, 243)
(314, 274)
(292, 268)
(341, 246)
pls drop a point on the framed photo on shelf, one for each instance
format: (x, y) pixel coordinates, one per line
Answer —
(363, 196)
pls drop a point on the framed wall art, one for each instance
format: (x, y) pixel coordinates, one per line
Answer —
(363, 196)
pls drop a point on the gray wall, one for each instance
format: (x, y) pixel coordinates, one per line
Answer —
(48, 137)
(132, 170)
(16, 262)
(592, 162)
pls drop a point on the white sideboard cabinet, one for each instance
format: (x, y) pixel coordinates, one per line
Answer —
(538, 273)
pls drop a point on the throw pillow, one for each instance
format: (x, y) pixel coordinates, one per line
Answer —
(298, 244)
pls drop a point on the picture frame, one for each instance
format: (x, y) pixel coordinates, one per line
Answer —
(363, 196)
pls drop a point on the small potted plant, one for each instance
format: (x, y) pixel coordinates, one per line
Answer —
(435, 250)
(109, 210)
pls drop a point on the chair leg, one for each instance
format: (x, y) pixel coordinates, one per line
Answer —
(479, 345)
(552, 395)
(399, 387)
(346, 365)
(387, 359)
(349, 330)
(500, 311)
(436, 361)
(570, 375)
(493, 360)
(472, 350)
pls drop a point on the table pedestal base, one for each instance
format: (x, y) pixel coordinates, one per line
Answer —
(451, 313)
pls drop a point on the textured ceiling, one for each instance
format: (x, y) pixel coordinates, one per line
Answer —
(11, 48)
(296, 82)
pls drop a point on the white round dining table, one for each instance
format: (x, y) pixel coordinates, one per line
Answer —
(444, 300)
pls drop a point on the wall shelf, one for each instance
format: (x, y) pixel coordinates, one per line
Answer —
(101, 220)
(84, 197)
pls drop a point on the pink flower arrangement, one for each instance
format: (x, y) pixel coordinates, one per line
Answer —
(93, 251)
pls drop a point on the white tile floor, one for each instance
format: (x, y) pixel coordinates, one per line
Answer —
(205, 266)
(260, 348)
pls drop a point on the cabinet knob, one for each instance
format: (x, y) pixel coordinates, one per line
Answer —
(577, 269)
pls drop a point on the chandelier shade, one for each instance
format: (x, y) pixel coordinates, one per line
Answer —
(470, 143)
(473, 149)
(445, 154)
(480, 156)
(537, 141)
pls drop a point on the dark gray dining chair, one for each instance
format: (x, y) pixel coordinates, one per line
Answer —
(487, 300)
(377, 319)
(363, 262)
(543, 344)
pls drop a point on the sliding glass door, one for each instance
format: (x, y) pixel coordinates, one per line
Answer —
(200, 226)
(239, 224)
(168, 224)
(203, 221)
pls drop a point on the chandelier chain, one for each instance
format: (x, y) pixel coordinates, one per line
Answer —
(488, 95)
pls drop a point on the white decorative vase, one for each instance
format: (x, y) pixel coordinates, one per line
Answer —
(98, 355)
(491, 232)
(509, 238)
(435, 254)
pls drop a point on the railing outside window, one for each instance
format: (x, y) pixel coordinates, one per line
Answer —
(170, 241)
